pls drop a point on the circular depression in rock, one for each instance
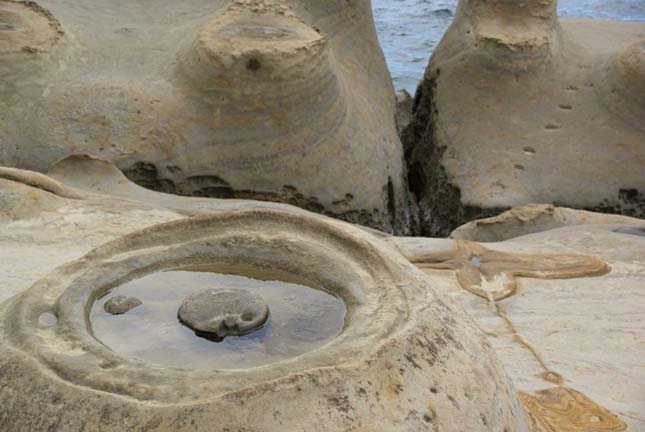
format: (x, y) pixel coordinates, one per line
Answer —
(302, 319)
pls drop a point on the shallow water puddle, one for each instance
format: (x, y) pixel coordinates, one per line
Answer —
(301, 319)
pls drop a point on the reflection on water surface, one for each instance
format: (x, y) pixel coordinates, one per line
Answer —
(301, 319)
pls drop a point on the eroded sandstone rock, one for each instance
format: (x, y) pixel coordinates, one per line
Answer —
(520, 221)
(519, 107)
(406, 358)
(253, 99)
(566, 343)
(493, 275)
(217, 313)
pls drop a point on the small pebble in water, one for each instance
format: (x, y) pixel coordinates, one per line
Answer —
(47, 319)
(637, 231)
(119, 305)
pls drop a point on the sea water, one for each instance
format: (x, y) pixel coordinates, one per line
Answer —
(409, 30)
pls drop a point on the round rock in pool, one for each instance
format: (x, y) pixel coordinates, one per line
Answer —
(118, 305)
(217, 313)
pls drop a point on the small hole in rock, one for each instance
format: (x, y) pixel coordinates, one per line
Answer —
(529, 150)
(47, 319)
(253, 65)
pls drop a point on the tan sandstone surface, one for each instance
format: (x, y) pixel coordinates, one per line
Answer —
(519, 107)
(571, 339)
(408, 358)
(256, 99)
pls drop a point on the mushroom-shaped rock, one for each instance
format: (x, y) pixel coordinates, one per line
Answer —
(544, 95)
(119, 305)
(264, 100)
(217, 313)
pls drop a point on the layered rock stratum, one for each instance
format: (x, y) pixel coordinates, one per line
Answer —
(252, 99)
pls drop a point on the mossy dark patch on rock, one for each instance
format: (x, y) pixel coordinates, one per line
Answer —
(629, 202)
(440, 207)
(396, 220)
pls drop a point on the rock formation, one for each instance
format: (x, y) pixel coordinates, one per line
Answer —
(125, 125)
(406, 359)
(534, 218)
(519, 107)
(119, 305)
(256, 99)
(217, 313)
(568, 343)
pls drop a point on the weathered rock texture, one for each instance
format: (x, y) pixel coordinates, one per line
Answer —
(408, 359)
(574, 346)
(535, 218)
(518, 107)
(217, 313)
(494, 275)
(256, 99)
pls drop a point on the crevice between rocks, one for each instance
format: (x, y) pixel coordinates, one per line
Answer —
(441, 211)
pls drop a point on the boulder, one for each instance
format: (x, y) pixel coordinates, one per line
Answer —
(518, 107)
(217, 313)
(254, 99)
(407, 358)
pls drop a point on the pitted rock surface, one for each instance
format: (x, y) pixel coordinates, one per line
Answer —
(217, 313)
(119, 305)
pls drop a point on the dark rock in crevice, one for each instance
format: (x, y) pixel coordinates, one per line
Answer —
(391, 200)
(146, 175)
(439, 201)
(629, 202)
(403, 110)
